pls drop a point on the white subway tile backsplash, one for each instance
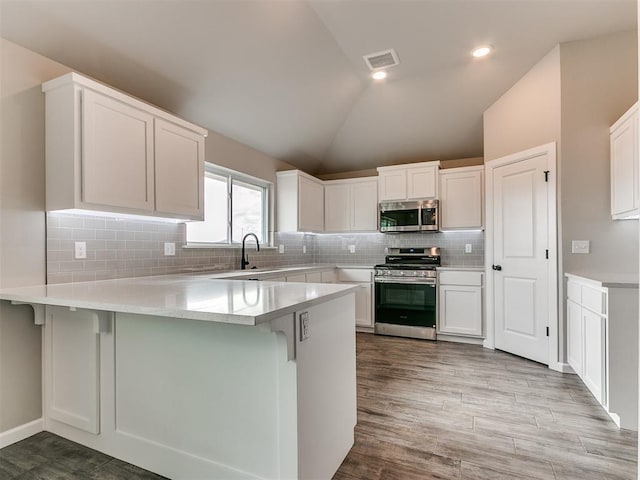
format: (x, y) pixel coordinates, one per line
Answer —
(119, 248)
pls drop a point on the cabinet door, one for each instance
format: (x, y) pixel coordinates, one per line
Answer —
(117, 153)
(460, 310)
(179, 170)
(336, 208)
(301, 278)
(315, 277)
(310, 205)
(461, 200)
(624, 158)
(594, 366)
(392, 185)
(422, 182)
(364, 205)
(575, 338)
(330, 276)
(364, 318)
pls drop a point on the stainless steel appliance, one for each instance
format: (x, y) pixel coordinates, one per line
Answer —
(415, 216)
(406, 294)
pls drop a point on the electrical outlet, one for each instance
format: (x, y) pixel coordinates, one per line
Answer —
(467, 248)
(81, 250)
(304, 326)
(169, 249)
(304, 249)
(280, 248)
(580, 246)
(352, 249)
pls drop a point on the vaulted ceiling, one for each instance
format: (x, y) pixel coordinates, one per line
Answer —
(287, 77)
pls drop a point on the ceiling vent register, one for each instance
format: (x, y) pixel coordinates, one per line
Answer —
(384, 59)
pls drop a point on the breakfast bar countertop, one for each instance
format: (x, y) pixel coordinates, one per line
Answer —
(196, 297)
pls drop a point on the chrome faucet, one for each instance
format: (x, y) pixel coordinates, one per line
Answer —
(245, 261)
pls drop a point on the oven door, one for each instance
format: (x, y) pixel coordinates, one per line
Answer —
(405, 302)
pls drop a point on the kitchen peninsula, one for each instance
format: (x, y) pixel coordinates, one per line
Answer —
(194, 377)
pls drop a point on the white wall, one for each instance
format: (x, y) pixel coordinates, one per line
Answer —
(22, 226)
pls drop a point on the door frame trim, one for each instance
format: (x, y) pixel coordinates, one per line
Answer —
(548, 149)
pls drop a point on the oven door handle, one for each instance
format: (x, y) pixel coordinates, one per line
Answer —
(410, 281)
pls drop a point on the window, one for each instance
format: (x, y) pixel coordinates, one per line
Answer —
(234, 205)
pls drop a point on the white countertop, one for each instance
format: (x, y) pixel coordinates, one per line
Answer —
(197, 297)
(609, 280)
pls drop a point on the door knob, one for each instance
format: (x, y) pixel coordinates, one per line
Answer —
(497, 267)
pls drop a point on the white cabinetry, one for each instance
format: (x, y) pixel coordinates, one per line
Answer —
(351, 205)
(408, 182)
(624, 165)
(460, 303)
(461, 198)
(110, 152)
(300, 202)
(364, 295)
(602, 344)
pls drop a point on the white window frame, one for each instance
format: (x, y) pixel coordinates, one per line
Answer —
(232, 176)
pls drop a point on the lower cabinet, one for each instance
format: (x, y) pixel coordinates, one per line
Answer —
(364, 295)
(460, 303)
(602, 344)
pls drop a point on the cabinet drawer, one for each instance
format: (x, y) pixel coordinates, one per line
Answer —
(593, 299)
(473, 279)
(354, 275)
(574, 291)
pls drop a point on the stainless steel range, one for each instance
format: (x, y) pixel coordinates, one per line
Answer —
(406, 294)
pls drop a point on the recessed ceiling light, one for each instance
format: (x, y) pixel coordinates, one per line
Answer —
(379, 75)
(482, 51)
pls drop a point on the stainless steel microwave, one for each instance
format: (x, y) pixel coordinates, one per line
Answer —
(413, 216)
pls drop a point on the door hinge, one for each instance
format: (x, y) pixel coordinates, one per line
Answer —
(547, 331)
(546, 254)
(546, 175)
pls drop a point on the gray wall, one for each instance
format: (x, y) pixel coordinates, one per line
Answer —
(572, 96)
(599, 83)
(22, 226)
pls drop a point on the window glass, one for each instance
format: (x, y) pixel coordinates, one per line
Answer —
(233, 206)
(247, 211)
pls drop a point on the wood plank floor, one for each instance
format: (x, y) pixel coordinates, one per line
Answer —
(426, 410)
(438, 410)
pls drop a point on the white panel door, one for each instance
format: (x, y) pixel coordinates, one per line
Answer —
(460, 309)
(364, 204)
(117, 153)
(337, 208)
(520, 211)
(179, 170)
(574, 337)
(461, 199)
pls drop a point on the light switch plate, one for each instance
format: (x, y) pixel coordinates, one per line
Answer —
(169, 249)
(579, 246)
(81, 250)
(280, 248)
(304, 249)
(467, 248)
(352, 249)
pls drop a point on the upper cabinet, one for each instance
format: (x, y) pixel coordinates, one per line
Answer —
(461, 198)
(108, 151)
(624, 165)
(351, 205)
(300, 202)
(408, 182)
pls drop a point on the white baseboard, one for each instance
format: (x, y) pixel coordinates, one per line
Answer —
(459, 339)
(21, 432)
